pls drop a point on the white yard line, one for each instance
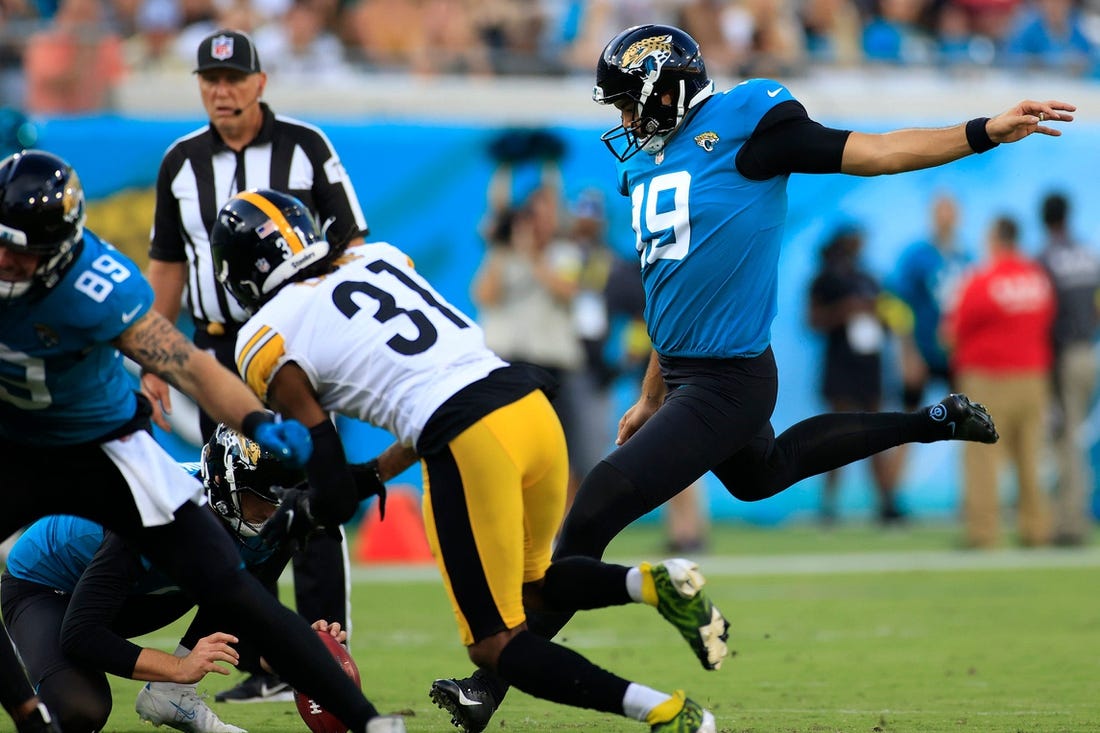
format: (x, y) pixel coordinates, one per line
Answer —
(716, 566)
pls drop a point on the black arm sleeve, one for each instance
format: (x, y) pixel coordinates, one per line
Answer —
(787, 141)
(334, 493)
(86, 634)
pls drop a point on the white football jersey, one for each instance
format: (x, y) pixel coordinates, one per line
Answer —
(376, 341)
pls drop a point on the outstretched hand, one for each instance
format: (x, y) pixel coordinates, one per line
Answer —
(1029, 117)
(204, 658)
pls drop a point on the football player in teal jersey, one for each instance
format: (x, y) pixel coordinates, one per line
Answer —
(706, 174)
(74, 431)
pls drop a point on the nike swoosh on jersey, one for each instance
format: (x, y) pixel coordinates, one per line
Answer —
(127, 317)
(773, 92)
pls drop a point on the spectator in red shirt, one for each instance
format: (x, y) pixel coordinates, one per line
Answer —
(1000, 337)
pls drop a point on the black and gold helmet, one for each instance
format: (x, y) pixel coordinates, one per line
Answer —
(262, 240)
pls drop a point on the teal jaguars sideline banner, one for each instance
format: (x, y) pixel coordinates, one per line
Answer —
(423, 188)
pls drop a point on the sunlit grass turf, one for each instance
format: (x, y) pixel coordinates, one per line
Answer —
(1005, 649)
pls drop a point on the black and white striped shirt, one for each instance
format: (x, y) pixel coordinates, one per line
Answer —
(199, 173)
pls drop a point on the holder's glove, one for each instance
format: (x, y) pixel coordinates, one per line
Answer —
(368, 483)
(289, 440)
(292, 521)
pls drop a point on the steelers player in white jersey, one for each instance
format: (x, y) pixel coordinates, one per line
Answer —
(358, 332)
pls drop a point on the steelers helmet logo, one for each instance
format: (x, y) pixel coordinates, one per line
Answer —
(938, 413)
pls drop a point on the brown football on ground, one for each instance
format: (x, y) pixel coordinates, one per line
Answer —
(317, 718)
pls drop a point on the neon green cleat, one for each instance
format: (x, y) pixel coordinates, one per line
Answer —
(691, 718)
(675, 588)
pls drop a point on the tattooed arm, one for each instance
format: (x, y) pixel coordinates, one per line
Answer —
(156, 345)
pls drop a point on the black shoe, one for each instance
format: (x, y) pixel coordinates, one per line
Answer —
(892, 516)
(258, 688)
(967, 420)
(39, 721)
(470, 704)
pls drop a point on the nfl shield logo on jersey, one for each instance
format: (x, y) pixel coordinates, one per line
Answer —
(221, 48)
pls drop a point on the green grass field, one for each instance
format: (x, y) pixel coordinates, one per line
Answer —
(847, 630)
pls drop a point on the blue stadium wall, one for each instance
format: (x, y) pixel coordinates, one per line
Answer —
(423, 188)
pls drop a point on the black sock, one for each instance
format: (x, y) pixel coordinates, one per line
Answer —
(545, 670)
(581, 583)
(492, 682)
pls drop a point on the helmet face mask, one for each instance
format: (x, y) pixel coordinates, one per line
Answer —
(262, 240)
(41, 213)
(638, 69)
(233, 465)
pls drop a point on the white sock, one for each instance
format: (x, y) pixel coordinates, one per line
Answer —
(639, 700)
(634, 584)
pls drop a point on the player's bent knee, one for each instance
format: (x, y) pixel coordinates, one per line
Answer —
(78, 705)
(486, 652)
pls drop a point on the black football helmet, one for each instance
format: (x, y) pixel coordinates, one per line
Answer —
(262, 240)
(42, 213)
(638, 67)
(232, 464)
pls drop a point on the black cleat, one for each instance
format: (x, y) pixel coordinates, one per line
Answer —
(260, 687)
(470, 704)
(966, 420)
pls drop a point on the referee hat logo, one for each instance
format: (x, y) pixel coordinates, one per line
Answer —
(228, 49)
(221, 48)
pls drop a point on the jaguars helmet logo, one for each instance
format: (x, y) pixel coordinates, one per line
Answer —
(706, 140)
(648, 55)
(72, 199)
(250, 451)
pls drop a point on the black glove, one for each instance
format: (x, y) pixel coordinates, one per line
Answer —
(368, 483)
(292, 521)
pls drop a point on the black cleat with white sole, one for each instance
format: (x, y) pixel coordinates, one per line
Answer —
(468, 701)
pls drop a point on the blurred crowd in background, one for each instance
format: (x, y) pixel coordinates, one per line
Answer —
(66, 56)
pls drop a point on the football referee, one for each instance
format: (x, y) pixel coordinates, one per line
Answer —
(244, 146)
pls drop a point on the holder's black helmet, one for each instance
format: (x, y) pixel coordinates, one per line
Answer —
(233, 464)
